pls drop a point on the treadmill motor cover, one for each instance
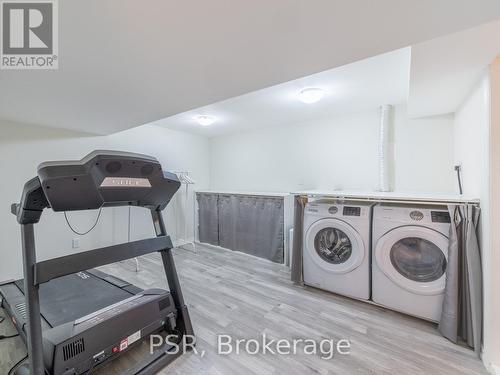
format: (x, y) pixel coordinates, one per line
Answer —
(87, 316)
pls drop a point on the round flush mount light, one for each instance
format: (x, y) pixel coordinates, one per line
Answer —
(311, 95)
(205, 120)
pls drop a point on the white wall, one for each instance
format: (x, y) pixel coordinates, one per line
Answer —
(339, 153)
(471, 138)
(335, 153)
(424, 153)
(472, 151)
(23, 147)
(492, 293)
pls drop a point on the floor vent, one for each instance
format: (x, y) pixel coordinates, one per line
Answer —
(73, 349)
(21, 309)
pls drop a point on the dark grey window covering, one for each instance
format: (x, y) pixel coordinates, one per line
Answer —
(297, 248)
(208, 221)
(228, 213)
(250, 224)
(461, 318)
(253, 225)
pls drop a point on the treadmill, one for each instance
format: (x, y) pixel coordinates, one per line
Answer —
(73, 317)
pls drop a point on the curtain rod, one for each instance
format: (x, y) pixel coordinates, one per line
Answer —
(382, 200)
(353, 199)
(264, 195)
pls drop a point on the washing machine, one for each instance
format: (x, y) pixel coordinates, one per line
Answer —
(336, 253)
(409, 258)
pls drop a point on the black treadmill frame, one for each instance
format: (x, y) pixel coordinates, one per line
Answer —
(36, 273)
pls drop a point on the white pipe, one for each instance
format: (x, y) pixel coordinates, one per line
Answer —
(386, 149)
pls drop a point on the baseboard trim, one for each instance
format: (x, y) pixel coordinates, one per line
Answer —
(492, 368)
(215, 247)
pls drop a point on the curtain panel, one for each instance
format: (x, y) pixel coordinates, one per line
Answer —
(462, 315)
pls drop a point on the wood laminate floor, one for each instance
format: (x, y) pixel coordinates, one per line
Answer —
(245, 297)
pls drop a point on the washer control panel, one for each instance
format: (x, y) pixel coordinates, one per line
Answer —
(334, 209)
(416, 215)
(351, 211)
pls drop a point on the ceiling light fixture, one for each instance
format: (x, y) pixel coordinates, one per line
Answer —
(311, 95)
(205, 120)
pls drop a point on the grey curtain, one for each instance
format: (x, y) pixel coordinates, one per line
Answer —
(461, 318)
(228, 212)
(298, 224)
(208, 220)
(253, 225)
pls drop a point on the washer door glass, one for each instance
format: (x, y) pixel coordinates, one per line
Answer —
(418, 259)
(333, 245)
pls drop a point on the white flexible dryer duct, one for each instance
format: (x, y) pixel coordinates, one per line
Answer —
(386, 149)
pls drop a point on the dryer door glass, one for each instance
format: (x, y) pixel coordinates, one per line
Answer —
(418, 259)
(333, 245)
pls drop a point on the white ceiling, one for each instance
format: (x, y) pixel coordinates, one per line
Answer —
(444, 70)
(127, 62)
(356, 87)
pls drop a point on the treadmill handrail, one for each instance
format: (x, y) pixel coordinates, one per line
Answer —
(83, 261)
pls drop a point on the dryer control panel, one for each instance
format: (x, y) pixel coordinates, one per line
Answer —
(416, 215)
(440, 217)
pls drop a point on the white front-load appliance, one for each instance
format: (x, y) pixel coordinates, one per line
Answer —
(336, 253)
(409, 258)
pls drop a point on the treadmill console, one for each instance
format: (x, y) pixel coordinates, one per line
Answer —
(106, 178)
(101, 179)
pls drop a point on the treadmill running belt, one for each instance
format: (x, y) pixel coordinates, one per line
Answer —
(71, 297)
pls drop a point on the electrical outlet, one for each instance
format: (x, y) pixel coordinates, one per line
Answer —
(76, 243)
